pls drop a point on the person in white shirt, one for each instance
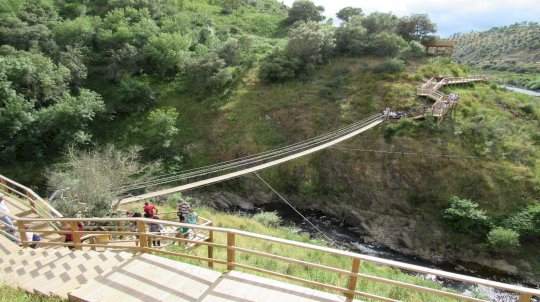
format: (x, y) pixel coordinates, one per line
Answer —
(5, 210)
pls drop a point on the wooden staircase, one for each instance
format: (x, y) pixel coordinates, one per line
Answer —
(443, 103)
(84, 274)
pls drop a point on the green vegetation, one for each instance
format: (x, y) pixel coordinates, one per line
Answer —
(192, 83)
(464, 216)
(514, 49)
(257, 225)
(503, 238)
(8, 294)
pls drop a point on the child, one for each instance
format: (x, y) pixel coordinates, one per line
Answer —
(183, 231)
(183, 210)
(156, 228)
(192, 217)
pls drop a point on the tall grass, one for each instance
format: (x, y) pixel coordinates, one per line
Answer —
(249, 224)
(8, 294)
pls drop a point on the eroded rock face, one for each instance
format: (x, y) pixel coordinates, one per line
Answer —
(374, 197)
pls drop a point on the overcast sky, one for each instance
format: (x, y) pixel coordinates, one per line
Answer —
(450, 16)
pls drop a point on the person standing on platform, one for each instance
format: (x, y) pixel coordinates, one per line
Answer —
(150, 210)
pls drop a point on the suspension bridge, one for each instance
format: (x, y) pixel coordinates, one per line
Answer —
(126, 265)
(235, 168)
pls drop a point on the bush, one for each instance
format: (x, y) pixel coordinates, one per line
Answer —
(390, 66)
(270, 219)
(463, 216)
(277, 67)
(526, 222)
(503, 238)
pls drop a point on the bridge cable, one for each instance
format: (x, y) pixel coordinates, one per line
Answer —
(411, 153)
(298, 212)
(252, 158)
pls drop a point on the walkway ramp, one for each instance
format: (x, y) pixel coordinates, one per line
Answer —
(236, 286)
(149, 278)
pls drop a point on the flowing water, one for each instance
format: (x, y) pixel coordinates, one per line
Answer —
(349, 238)
(521, 90)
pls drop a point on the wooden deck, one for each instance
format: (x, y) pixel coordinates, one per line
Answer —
(109, 276)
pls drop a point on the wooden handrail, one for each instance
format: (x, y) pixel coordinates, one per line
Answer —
(31, 195)
(232, 261)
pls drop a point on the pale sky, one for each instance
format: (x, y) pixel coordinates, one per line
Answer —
(451, 16)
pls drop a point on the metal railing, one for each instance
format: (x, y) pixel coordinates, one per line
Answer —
(235, 242)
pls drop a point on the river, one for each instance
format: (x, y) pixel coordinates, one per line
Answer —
(349, 238)
(521, 90)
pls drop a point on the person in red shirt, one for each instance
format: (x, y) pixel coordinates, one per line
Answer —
(150, 210)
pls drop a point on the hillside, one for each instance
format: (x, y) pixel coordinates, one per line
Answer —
(514, 49)
(191, 83)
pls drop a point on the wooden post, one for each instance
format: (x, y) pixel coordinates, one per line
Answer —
(32, 203)
(352, 278)
(76, 235)
(523, 297)
(231, 253)
(22, 233)
(143, 239)
(210, 249)
(5, 188)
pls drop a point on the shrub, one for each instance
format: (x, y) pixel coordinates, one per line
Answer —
(270, 219)
(503, 238)
(526, 222)
(277, 67)
(463, 216)
(390, 66)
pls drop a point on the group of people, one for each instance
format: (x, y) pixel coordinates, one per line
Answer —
(185, 214)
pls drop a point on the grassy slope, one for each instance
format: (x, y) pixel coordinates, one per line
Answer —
(489, 124)
(516, 46)
(8, 294)
(246, 223)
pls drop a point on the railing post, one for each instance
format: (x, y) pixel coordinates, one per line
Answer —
(143, 239)
(32, 203)
(76, 235)
(231, 253)
(353, 278)
(524, 297)
(22, 233)
(210, 249)
(5, 188)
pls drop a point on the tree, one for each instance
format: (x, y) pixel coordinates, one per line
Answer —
(96, 179)
(35, 76)
(136, 95)
(352, 38)
(207, 75)
(167, 51)
(380, 22)
(415, 27)
(348, 12)
(526, 221)
(387, 44)
(158, 132)
(304, 10)
(73, 59)
(66, 122)
(503, 238)
(463, 216)
(311, 43)
(230, 52)
(277, 67)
